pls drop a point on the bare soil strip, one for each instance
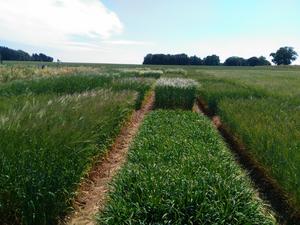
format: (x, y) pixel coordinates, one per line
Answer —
(94, 190)
(268, 188)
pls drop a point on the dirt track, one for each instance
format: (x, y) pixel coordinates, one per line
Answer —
(93, 191)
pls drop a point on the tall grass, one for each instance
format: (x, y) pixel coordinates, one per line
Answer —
(261, 107)
(214, 90)
(58, 85)
(76, 84)
(270, 129)
(175, 93)
(47, 146)
(140, 85)
(10, 73)
(179, 171)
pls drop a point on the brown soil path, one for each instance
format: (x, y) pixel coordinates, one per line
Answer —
(93, 192)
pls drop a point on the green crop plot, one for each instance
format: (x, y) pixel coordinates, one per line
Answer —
(175, 93)
(77, 83)
(261, 106)
(179, 171)
(57, 85)
(271, 130)
(47, 145)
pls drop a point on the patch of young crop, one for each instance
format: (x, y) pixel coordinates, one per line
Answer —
(175, 93)
(140, 85)
(179, 171)
(48, 145)
(270, 128)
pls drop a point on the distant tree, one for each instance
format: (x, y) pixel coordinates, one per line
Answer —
(212, 60)
(194, 60)
(263, 61)
(23, 56)
(179, 59)
(41, 57)
(19, 55)
(182, 59)
(284, 56)
(235, 61)
(0, 58)
(254, 61)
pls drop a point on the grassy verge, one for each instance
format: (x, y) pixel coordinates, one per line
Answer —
(179, 171)
(172, 93)
(47, 146)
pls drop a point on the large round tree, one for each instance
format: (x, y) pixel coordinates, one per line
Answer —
(284, 56)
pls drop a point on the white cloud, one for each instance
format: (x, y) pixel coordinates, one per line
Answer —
(54, 22)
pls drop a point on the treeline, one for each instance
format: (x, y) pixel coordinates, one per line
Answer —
(180, 59)
(19, 55)
(213, 60)
(253, 61)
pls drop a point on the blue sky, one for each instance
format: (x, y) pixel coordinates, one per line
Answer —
(123, 31)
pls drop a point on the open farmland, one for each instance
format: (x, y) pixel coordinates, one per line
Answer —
(56, 121)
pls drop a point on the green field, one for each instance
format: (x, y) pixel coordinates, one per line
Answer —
(55, 121)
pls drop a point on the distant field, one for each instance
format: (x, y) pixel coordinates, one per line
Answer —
(54, 120)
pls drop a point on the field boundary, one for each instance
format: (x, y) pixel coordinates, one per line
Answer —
(94, 189)
(268, 188)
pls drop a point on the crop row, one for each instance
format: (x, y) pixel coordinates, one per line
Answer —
(179, 171)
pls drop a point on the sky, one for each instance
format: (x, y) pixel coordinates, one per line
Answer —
(124, 31)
